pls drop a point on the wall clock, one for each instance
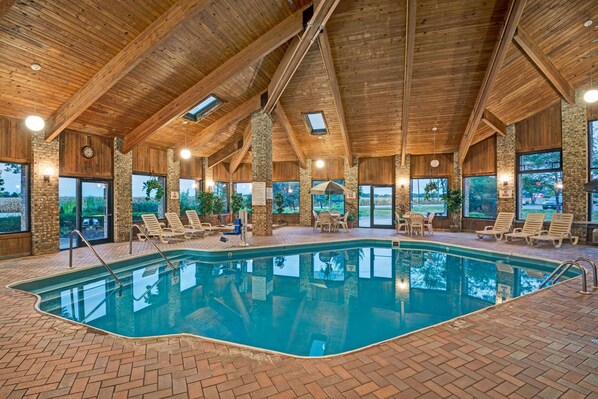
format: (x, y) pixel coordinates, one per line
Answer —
(87, 152)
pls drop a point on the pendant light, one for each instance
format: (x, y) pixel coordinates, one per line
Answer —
(591, 95)
(434, 162)
(185, 152)
(35, 122)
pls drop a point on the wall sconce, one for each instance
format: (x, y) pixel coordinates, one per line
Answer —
(558, 185)
(47, 172)
(403, 182)
(505, 180)
(402, 285)
(209, 184)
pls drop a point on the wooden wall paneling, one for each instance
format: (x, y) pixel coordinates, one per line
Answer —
(15, 245)
(243, 174)
(285, 171)
(15, 141)
(376, 170)
(334, 169)
(149, 160)
(191, 168)
(481, 158)
(541, 131)
(420, 165)
(221, 172)
(73, 163)
(592, 110)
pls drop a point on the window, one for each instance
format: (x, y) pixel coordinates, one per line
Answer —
(188, 190)
(322, 202)
(290, 196)
(203, 108)
(539, 183)
(142, 203)
(14, 198)
(316, 123)
(221, 190)
(245, 190)
(480, 196)
(426, 195)
(593, 161)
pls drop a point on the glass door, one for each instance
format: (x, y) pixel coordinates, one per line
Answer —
(365, 206)
(96, 211)
(376, 206)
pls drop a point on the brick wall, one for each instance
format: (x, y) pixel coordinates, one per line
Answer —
(304, 196)
(351, 182)
(172, 183)
(261, 169)
(123, 192)
(402, 177)
(505, 168)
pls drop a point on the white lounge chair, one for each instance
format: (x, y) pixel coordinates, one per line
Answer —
(559, 230)
(153, 229)
(198, 224)
(533, 224)
(177, 226)
(502, 225)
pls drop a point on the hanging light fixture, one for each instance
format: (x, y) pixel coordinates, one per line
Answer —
(35, 122)
(434, 162)
(319, 164)
(185, 152)
(591, 95)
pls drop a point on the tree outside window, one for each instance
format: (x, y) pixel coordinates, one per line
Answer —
(188, 190)
(14, 197)
(320, 202)
(152, 201)
(539, 184)
(245, 190)
(480, 197)
(426, 195)
(290, 196)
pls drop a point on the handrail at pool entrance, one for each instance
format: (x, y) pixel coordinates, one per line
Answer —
(77, 232)
(150, 241)
(562, 269)
(594, 267)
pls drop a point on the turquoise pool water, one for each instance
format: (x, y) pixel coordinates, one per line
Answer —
(307, 300)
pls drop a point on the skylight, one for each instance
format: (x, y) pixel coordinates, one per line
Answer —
(316, 123)
(203, 108)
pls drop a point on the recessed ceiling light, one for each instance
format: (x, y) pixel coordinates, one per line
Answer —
(319, 164)
(588, 23)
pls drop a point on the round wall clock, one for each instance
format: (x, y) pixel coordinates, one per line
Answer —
(87, 152)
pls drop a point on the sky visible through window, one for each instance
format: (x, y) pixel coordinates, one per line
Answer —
(203, 106)
(316, 121)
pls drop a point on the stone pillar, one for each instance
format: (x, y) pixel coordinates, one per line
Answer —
(261, 170)
(208, 175)
(352, 184)
(505, 168)
(123, 192)
(172, 182)
(402, 183)
(457, 172)
(304, 196)
(45, 228)
(575, 161)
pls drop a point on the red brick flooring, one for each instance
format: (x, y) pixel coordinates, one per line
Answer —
(539, 345)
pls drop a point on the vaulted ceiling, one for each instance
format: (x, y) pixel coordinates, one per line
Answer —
(453, 45)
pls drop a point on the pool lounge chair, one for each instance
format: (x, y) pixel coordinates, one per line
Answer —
(502, 225)
(198, 224)
(153, 229)
(559, 230)
(533, 224)
(177, 226)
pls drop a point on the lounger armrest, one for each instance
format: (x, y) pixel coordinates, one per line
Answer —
(489, 228)
(518, 230)
(188, 226)
(541, 232)
(206, 225)
(168, 229)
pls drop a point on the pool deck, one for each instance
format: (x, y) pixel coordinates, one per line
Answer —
(540, 345)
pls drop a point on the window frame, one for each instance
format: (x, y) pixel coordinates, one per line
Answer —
(163, 200)
(249, 208)
(447, 178)
(226, 194)
(324, 181)
(198, 190)
(203, 112)
(28, 165)
(591, 169)
(312, 131)
(298, 191)
(497, 196)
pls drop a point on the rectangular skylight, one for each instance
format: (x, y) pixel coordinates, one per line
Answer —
(316, 122)
(203, 108)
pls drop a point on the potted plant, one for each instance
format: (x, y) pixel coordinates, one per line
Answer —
(454, 201)
(351, 220)
(236, 203)
(279, 205)
(151, 185)
(218, 207)
(206, 205)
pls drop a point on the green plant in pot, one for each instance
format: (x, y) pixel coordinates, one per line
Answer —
(351, 220)
(218, 207)
(205, 205)
(454, 201)
(236, 203)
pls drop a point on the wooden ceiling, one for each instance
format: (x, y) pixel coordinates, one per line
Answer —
(454, 40)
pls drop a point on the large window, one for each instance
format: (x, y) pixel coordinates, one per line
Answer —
(480, 197)
(539, 183)
(593, 156)
(426, 195)
(322, 202)
(221, 190)
(245, 190)
(14, 198)
(290, 196)
(143, 204)
(188, 189)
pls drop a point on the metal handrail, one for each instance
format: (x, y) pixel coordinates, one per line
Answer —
(561, 269)
(594, 267)
(92, 250)
(150, 241)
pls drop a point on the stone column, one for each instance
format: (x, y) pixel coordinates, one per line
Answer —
(208, 175)
(45, 228)
(304, 196)
(123, 192)
(575, 161)
(457, 172)
(402, 183)
(351, 183)
(172, 182)
(261, 170)
(505, 168)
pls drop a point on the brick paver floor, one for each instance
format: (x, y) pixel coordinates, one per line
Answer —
(541, 345)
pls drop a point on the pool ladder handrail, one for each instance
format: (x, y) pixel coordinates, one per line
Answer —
(594, 268)
(562, 269)
(77, 232)
(150, 241)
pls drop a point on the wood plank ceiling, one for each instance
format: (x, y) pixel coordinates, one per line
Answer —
(454, 40)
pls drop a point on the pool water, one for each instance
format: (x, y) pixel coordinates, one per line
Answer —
(297, 302)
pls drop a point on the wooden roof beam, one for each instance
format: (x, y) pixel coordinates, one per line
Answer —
(336, 93)
(239, 156)
(409, 51)
(261, 47)
(498, 55)
(546, 67)
(224, 153)
(5, 6)
(297, 51)
(284, 121)
(492, 121)
(127, 59)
